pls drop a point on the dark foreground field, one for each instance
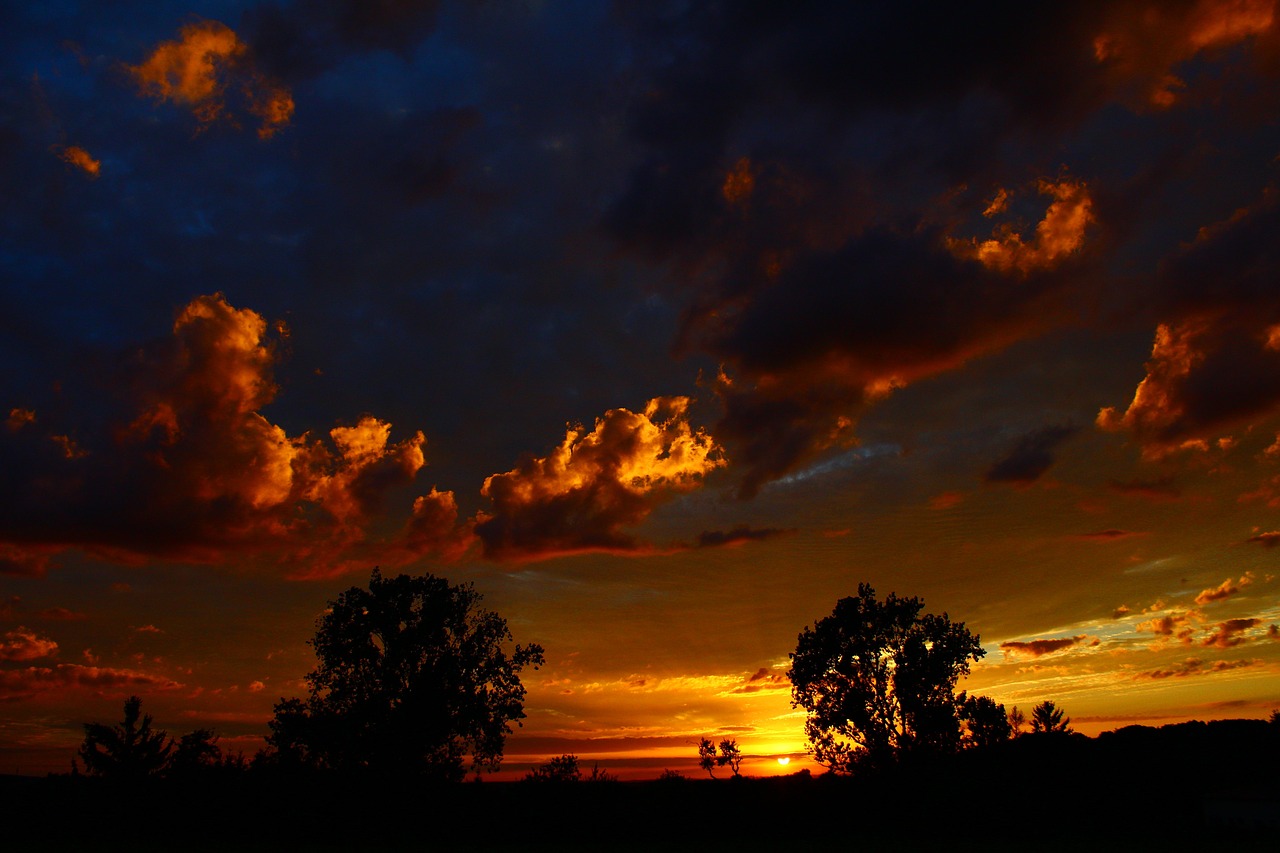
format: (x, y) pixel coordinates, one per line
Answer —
(1190, 787)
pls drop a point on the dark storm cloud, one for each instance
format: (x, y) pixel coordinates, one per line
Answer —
(821, 284)
(738, 536)
(1030, 457)
(813, 173)
(1039, 648)
(1215, 364)
(307, 37)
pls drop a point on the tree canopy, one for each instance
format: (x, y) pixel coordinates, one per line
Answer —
(878, 679)
(129, 750)
(1048, 718)
(413, 677)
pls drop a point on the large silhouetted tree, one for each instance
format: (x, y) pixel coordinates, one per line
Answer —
(130, 750)
(878, 680)
(413, 677)
(985, 721)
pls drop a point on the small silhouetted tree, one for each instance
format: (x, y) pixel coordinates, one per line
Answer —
(130, 750)
(562, 768)
(413, 678)
(1047, 718)
(195, 752)
(878, 679)
(1017, 720)
(730, 755)
(707, 756)
(598, 775)
(985, 721)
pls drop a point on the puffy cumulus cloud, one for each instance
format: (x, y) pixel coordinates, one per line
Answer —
(1196, 666)
(1059, 234)
(19, 684)
(189, 468)
(581, 496)
(1040, 648)
(1142, 45)
(209, 70)
(22, 644)
(1226, 589)
(1030, 457)
(1269, 539)
(81, 159)
(1215, 363)
(1176, 625)
(1230, 633)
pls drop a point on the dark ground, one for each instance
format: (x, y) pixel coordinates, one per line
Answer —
(1194, 786)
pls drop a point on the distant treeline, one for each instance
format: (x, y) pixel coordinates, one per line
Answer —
(1200, 786)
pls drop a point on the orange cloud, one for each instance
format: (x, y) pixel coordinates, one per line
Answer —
(81, 159)
(204, 68)
(580, 497)
(16, 684)
(1144, 43)
(1039, 648)
(1228, 633)
(1157, 410)
(1059, 234)
(1225, 589)
(197, 472)
(18, 418)
(1196, 666)
(25, 561)
(739, 183)
(1171, 625)
(22, 644)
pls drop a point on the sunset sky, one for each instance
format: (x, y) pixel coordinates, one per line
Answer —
(664, 324)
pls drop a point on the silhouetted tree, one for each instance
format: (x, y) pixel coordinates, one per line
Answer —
(878, 680)
(707, 756)
(598, 775)
(562, 768)
(195, 752)
(1017, 720)
(412, 678)
(730, 755)
(130, 750)
(985, 722)
(1047, 718)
